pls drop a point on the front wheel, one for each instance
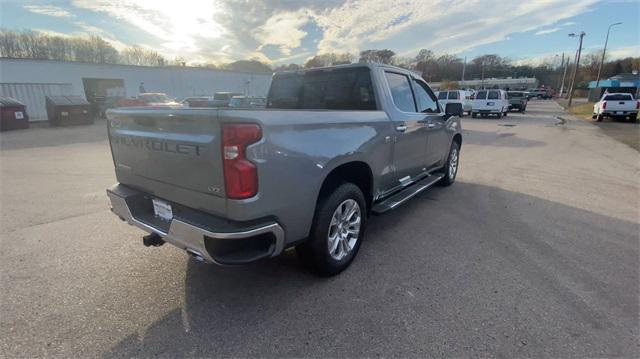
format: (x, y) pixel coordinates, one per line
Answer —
(450, 168)
(336, 232)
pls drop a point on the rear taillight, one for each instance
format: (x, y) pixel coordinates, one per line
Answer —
(604, 105)
(240, 174)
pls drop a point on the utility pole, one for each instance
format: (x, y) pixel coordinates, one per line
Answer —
(575, 58)
(603, 52)
(482, 72)
(575, 70)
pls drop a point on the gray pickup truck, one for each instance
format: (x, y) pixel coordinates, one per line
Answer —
(334, 145)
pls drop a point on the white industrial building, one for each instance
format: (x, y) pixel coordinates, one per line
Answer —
(29, 81)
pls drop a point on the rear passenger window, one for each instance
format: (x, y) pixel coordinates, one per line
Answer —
(481, 95)
(494, 95)
(454, 95)
(401, 92)
(442, 95)
(426, 100)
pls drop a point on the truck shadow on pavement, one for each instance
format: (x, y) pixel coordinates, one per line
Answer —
(459, 271)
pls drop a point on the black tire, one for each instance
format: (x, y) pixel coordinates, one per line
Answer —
(505, 114)
(499, 115)
(314, 252)
(474, 115)
(450, 175)
(599, 118)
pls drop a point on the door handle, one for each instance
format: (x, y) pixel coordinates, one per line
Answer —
(401, 127)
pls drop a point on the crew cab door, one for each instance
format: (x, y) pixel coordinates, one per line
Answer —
(435, 123)
(410, 135)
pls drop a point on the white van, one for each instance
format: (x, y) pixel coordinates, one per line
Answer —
(455, 96)
(490, 102)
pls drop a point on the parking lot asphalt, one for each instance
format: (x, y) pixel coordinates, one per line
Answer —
(534, 251)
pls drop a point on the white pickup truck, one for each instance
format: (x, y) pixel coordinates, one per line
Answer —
(616, 105)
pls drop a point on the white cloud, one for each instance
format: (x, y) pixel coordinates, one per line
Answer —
(48, 10)
(547, 31)
(568, 23)
(176, 24)
(222, 30)
(411, 24)
(622, 52)
(283, 30)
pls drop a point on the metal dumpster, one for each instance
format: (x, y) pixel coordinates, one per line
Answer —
(13, 114)
(68, 110)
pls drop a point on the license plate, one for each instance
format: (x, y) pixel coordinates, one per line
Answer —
(162, 209)
(490, 103)
(19, 115)
(619, 112)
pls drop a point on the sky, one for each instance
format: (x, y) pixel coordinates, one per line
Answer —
(286, 31)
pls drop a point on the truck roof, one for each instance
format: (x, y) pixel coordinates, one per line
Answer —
(346, 66)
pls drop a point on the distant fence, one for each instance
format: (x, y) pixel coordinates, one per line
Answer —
(32, 95)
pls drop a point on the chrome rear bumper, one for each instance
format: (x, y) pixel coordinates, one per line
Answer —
(193, 238)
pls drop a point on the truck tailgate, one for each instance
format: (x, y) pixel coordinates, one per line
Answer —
(613, 105)
(159, 150)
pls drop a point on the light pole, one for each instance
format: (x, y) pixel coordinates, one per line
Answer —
(575, 70)
(603, 52)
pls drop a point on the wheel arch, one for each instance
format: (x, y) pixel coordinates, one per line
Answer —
(356, 172)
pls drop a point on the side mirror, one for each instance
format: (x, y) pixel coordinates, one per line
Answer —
(453, 109)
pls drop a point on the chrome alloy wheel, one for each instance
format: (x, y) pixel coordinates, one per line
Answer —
(453, 163)
(344, 229)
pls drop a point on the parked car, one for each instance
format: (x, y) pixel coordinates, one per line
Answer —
(157, 99)
(232, 186)
(247, 102)
(199, 101)
(541, 93)
(490, 102)
(517, 100)
(616, 106)
(222, 99)
(456, 96)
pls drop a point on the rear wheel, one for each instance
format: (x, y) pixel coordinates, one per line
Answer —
(599, 117)
(336, 232)
(499, 115)
(474, 115)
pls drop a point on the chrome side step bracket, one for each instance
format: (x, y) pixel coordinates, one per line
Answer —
(405, 194)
